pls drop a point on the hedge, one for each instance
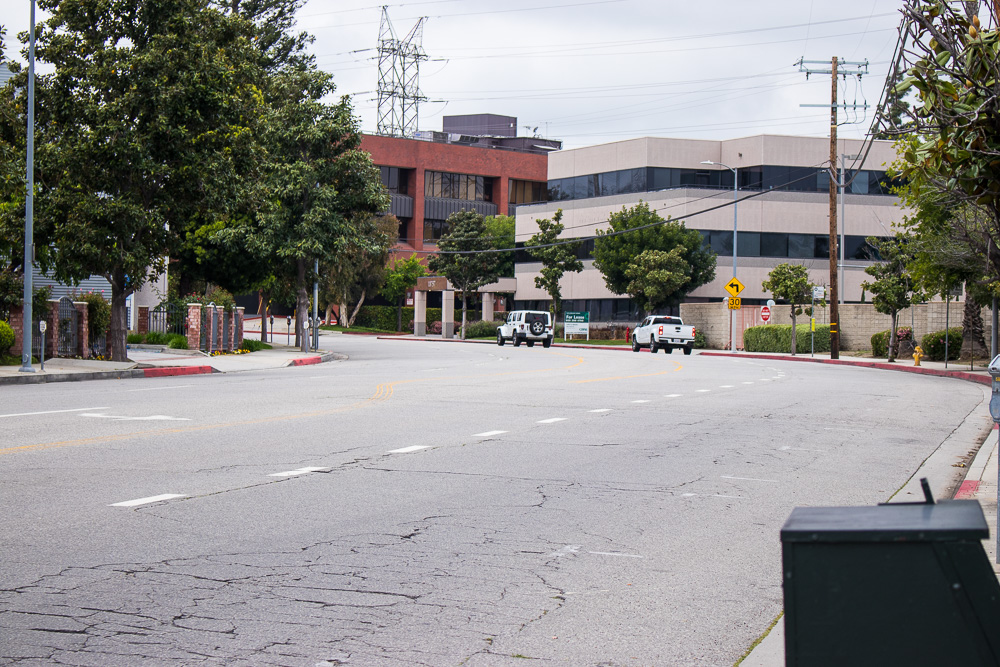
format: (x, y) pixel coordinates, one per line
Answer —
(778, 338)
(933, 344)
(384, 317)
(880, 341)
(6, 337)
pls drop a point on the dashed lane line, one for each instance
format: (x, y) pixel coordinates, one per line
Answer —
(600, 410)
(672, 396)
(49, 412)
(748, 479)
(298, 471)
(487, 434)
(553, 420)
(150, 499)
(641, 400)
(407, 450)
(702, 391)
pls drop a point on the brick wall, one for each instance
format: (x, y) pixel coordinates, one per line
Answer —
(82, 328)
(194, 326)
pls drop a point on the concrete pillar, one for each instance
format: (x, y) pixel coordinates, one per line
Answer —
(238, 335)
(194, 326)
(448, 314)
(15, 318)
(487, 306)
(420, 313)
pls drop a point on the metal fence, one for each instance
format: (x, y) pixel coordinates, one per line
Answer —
(169, 318)
(67, 342)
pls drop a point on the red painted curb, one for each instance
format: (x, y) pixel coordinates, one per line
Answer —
(176, 370)
(967, 490)
(306, 361)
(920, 370)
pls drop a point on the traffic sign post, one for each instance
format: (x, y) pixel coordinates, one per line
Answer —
(765, 314)
(735, 303)
(734, 286)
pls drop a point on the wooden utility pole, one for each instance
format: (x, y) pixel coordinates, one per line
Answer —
(842, 68)
(834, 180)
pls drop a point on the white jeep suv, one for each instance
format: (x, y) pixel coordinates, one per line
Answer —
(526, 326)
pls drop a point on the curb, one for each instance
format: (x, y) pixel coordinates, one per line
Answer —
(920, 370)
(310, 361)
(166, 371)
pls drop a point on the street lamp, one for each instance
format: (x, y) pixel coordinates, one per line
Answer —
(736, 186)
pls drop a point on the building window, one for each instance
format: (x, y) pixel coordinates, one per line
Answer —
(458, 186)
(395, 180)
(435, 229)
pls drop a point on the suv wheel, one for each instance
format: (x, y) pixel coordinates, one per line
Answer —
(667, 349)
(517, 340)
(499, 338)
(687, 349)
(653, 345)
(635, 344)
(530, 343)
(547, 342)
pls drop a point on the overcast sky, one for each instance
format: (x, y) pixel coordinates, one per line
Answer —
(594, 71)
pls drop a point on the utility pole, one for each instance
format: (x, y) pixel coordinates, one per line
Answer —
(836, 69)
(29, 210)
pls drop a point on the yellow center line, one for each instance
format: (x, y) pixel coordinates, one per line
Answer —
(382, 392)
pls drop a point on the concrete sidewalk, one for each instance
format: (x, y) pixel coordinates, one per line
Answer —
(155, 361)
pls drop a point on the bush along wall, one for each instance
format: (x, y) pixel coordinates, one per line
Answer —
(778, 338)
(384, 317)
(933, 344)
(880, 341)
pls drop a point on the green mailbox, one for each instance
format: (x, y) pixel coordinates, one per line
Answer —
(898, 584)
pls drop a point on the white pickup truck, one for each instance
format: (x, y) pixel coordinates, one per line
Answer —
(663, 332)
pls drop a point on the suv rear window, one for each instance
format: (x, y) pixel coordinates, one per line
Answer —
(536, 317)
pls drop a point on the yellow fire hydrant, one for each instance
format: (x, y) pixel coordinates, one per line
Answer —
(918, 354)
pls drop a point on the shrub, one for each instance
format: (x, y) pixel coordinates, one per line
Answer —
(778, 338)
(384, 317)
(699, 340)
(480, 329)
(133, 339)
(98, 314)
(880, 341)
(933, 344)
(6, 337)
(253, 345)
(177, 342)
(157, 338)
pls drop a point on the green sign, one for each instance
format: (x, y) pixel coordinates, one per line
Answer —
(577, 318)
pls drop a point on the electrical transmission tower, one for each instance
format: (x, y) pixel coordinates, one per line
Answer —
(398, 78)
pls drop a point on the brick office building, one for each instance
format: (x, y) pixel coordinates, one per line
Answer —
(489, 170)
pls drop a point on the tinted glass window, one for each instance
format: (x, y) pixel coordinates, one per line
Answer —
(821, 246)
(748, 244)
(773, 245)
(801, 246)
(722, 243)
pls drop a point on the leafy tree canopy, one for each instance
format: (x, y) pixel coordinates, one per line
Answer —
(656, 276)
(556, 258)
(616, 248)
(500, 230)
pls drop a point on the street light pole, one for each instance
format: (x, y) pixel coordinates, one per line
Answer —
(29, 216)
(736, 198)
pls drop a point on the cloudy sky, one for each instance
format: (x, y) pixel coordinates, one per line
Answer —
(594, 71)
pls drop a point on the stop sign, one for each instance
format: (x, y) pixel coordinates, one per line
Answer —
(765, 313)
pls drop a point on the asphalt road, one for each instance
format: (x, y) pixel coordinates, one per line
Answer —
(435, 504)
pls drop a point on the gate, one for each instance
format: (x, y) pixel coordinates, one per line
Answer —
(168, 318)
(67, 343)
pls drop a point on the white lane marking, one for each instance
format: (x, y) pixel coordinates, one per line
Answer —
(749, 479)
(176, 386)
(150, 499)
(726, 386)
(553, 420)
(614, 553)
(702, 391)
(765, 380)
(49, 412)
(299, 471)
(486, 434)
(600, 410)
(709, 495)
(672, 396)
(407, 450)
(137, 419)
(568, 550)
(751, 382)
(641, 401)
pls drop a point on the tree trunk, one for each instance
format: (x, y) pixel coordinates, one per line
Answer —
(464, 301)
(357, 309)
(893, 338)
(973, 341)
(118, 330)
(302, 308)
(344, 322)
(794, 330)
(329, 314)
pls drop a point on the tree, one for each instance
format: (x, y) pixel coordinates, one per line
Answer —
(402, 276)
(556, 259)
(952, 145)
(635, 230)
(466, 257)
(790, 282)
(140, 126)
(500, 230)
(359, 269)
(892, 289)
(656, 276)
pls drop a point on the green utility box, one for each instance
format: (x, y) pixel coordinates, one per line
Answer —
(902, 584)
